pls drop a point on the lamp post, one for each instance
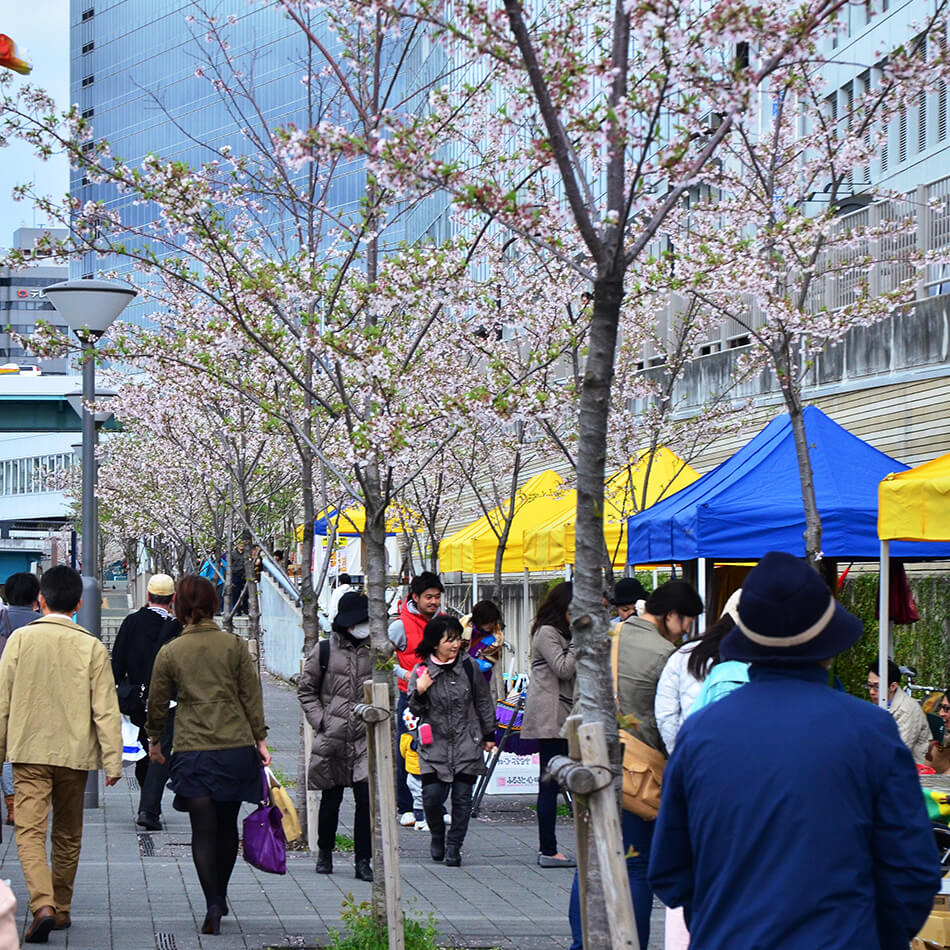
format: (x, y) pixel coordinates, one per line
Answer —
(89, 307)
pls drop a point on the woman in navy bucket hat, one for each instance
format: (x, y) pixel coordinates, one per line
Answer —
(791, 813)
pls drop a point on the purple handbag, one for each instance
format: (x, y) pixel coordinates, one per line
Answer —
(265, 846)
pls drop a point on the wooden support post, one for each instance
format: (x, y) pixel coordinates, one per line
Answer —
(581, 825)
(311, 798)
(376, 714)
(608, 842)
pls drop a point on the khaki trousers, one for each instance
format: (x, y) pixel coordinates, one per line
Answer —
(35, 788)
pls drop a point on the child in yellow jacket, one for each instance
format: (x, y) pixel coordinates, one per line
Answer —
(408, 743)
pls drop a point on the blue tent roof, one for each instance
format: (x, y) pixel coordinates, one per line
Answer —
(752, 502)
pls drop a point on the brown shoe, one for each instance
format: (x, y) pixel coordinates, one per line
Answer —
(44, 920)
(63, 920)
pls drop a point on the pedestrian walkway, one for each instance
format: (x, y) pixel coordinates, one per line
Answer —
(139, 891)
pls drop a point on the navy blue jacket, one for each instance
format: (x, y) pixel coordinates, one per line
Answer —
(792, 817)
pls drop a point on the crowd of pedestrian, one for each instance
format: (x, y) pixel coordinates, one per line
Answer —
(790, 814)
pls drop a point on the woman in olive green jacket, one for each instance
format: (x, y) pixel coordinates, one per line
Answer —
(219, 743)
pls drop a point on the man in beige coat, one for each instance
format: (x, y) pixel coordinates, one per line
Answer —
(59, 719)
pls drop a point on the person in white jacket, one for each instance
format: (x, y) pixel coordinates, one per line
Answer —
(910, 718)
(679, 685)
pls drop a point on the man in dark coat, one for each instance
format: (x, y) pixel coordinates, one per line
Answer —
(141, 636)
(792, 815)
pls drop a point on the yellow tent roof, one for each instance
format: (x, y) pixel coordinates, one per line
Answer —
(551, 545)
(472, 549)
(351, 521)
(915, 505)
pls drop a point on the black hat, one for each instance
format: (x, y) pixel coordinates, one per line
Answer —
(627, 591)
(786, 614)
(352, 609)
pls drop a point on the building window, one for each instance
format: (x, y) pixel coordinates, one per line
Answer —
(88, 113)
(88, 14)
(88, 80)
(88, 48)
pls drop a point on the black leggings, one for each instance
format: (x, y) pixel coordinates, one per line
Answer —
(434, 794)
(214, 845)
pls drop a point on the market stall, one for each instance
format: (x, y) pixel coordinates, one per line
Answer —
(913, 506)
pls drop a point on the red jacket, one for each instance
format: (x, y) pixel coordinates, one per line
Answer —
(413, 623)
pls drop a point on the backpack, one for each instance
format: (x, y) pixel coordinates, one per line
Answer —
(722, 679)
(6, 628)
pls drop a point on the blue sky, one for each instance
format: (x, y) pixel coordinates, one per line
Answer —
(41, 29)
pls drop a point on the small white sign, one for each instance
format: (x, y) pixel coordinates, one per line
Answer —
(515, 775)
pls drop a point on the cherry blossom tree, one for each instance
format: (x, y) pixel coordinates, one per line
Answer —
(794, 244)
(605, 118)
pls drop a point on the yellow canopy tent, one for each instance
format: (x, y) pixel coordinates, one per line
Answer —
(551, 545)
(351, 522)
(472, 549)
(913, 505)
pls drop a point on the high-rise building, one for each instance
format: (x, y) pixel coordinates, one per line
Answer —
(22, 303)
(140, 74)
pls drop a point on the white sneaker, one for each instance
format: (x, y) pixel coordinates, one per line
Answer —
(447, 819)
(422, 826)
(407, 818)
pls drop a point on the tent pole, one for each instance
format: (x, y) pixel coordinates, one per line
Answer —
(884, 645)
(525, 610)
(525, 618)
(474, 589)
(701, 585)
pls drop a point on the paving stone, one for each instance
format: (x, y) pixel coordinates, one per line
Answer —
(127, 900)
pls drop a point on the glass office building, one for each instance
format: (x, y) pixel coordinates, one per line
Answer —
(134, 74)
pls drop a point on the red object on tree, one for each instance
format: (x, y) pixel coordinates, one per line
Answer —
(9, 58)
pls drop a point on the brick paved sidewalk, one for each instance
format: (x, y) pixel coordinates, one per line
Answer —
(138, 891)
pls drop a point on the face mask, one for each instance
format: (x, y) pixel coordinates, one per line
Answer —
(360, 631)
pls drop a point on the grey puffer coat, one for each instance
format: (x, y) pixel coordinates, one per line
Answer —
(339, 755)
(461, 712)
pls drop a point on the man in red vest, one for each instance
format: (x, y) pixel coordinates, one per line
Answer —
(422, 604)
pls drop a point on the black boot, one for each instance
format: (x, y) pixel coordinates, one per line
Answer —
(453, 856)
(324, 862)
(364, 871)
(437, 846)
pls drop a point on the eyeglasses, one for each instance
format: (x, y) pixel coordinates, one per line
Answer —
(872, 687)
(944, 707)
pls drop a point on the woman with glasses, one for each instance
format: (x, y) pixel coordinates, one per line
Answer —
(938, 755)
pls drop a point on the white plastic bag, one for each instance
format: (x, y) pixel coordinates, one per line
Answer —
(132, 749)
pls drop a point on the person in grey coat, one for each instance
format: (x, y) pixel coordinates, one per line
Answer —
(457, 725)
(330, 685)
(547, 705)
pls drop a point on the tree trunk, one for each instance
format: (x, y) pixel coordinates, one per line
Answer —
(308, 596)
(590, 621)
(374, 542)
(793, 402)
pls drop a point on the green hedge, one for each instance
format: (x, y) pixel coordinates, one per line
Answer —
(923, 645)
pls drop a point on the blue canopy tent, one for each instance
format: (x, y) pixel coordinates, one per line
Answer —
(752, 503)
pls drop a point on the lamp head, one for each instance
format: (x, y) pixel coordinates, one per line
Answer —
(89, 307)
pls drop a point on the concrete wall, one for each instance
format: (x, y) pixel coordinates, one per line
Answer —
(281, 630)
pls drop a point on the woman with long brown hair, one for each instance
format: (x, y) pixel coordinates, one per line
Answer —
(219, 735)
(549, 701)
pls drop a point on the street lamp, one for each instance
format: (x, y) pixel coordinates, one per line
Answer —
(89, 308)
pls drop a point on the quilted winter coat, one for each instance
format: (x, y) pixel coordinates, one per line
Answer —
(339, 755)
